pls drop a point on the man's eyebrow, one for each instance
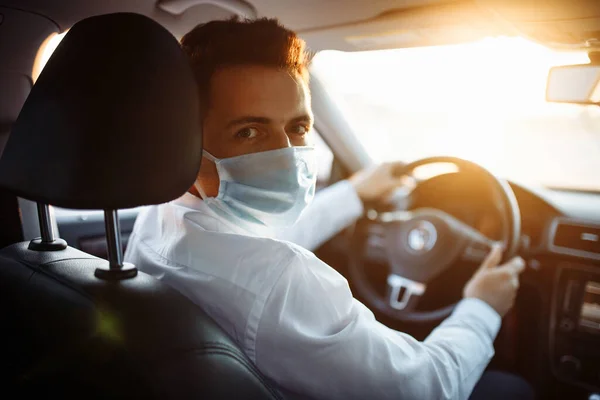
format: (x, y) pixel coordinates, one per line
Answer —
(303, 118)
(248, 120)
(264, 120)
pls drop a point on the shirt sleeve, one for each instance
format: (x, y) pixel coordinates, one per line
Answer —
(316, 340)
(333, 209)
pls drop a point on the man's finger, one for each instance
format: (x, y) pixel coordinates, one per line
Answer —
(493, 258)
(396, 168)
(518, 264)
(514, 281)
(515, 266)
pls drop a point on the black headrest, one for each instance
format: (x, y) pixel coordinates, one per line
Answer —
(112, 122)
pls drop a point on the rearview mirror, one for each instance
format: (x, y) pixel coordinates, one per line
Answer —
(576, 84)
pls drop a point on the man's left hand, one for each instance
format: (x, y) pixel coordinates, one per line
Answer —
(378, 182)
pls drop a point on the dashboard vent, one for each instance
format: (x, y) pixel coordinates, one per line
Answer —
(577, 237)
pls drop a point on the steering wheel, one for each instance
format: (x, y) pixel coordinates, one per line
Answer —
(421, 244)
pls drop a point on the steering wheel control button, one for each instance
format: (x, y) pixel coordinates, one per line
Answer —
(477, 251)
(401, 290)
(566, 325)
(534, 264)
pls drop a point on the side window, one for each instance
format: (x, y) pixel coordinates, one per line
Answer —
(324, 159)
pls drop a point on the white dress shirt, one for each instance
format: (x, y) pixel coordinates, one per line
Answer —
(295, 316)
(333, 209)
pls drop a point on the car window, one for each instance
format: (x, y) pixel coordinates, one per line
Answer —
(483, 101)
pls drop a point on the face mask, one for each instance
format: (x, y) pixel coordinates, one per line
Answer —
(270, 188)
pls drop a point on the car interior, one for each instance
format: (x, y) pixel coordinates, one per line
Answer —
(492, 105)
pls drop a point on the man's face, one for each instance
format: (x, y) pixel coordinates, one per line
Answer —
(253, 109)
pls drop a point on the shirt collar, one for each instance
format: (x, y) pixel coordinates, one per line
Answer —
(227, 222)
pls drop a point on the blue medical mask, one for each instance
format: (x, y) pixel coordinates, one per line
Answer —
(270, 188)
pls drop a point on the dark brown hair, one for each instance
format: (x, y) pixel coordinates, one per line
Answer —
(236, 42)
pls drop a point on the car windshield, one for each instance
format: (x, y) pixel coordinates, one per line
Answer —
(482, 101)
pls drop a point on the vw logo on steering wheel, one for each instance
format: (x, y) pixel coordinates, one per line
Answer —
(422, 238)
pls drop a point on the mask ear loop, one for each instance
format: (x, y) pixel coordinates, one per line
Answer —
(212, 158)
(201, 192)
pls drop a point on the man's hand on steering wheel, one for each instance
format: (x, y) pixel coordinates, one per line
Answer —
(496, 285)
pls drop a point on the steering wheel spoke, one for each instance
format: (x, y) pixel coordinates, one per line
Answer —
(403, 292)
(476, 252)
(477, 245)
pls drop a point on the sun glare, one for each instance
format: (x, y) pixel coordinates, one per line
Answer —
(480, 101)
(457, 76)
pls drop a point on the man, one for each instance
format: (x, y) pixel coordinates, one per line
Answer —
(293, 315)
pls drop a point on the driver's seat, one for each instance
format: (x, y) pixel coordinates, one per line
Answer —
(112, 122)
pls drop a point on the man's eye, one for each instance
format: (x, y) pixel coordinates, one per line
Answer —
(300, 130)
(247, 133)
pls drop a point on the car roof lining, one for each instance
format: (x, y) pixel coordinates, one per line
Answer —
(299, 15)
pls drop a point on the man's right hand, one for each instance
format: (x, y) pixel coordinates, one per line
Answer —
(496, 285)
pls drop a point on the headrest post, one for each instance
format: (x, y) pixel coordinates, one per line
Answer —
(48, 242)
(113, 239)
(45, 223)
(117, 269)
